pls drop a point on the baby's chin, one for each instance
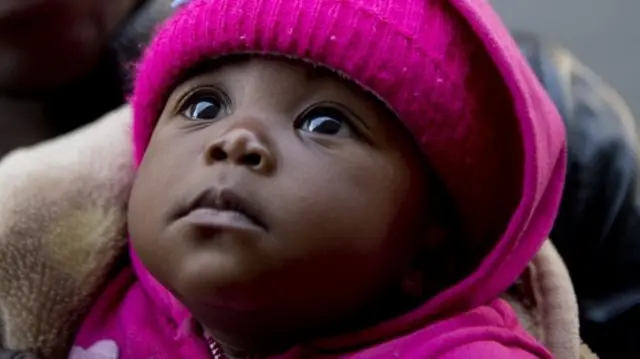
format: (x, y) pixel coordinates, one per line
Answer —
(221, 280)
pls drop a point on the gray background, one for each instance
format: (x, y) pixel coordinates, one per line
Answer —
(604, 34)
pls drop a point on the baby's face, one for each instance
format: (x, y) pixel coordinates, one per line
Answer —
(274, 189)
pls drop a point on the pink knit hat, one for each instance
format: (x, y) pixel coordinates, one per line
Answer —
(418, 56)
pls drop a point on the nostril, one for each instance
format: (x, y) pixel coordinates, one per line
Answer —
(252, 160)
(218, 154)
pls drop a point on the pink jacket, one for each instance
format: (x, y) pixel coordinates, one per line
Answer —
(137, 318)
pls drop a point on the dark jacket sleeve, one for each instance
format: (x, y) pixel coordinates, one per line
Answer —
(597, 231)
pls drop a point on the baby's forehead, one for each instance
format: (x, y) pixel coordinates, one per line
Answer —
(267, 66)
(281, 73)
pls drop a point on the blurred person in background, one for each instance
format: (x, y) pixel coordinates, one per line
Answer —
(56, 69)
(64, 63)
(597, 231)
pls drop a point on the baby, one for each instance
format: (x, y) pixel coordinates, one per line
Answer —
(331, 178)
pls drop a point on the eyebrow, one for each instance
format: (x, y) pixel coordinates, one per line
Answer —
(320, 74)
(210, 65)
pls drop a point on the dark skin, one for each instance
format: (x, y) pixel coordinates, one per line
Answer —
(332, 211)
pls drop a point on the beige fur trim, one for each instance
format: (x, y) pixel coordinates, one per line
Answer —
(52, 262)
(586, 353)
(546, 304)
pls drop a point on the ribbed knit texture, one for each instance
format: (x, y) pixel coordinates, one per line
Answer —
(415, 55)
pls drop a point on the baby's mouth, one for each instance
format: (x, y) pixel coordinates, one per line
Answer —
(224, 209)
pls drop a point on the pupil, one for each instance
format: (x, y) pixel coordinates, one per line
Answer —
(205, 109)
(325, 125)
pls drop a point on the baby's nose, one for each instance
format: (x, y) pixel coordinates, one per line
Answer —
(241, 147)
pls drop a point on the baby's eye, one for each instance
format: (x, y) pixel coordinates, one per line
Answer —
(325, 121)
(202, 107)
